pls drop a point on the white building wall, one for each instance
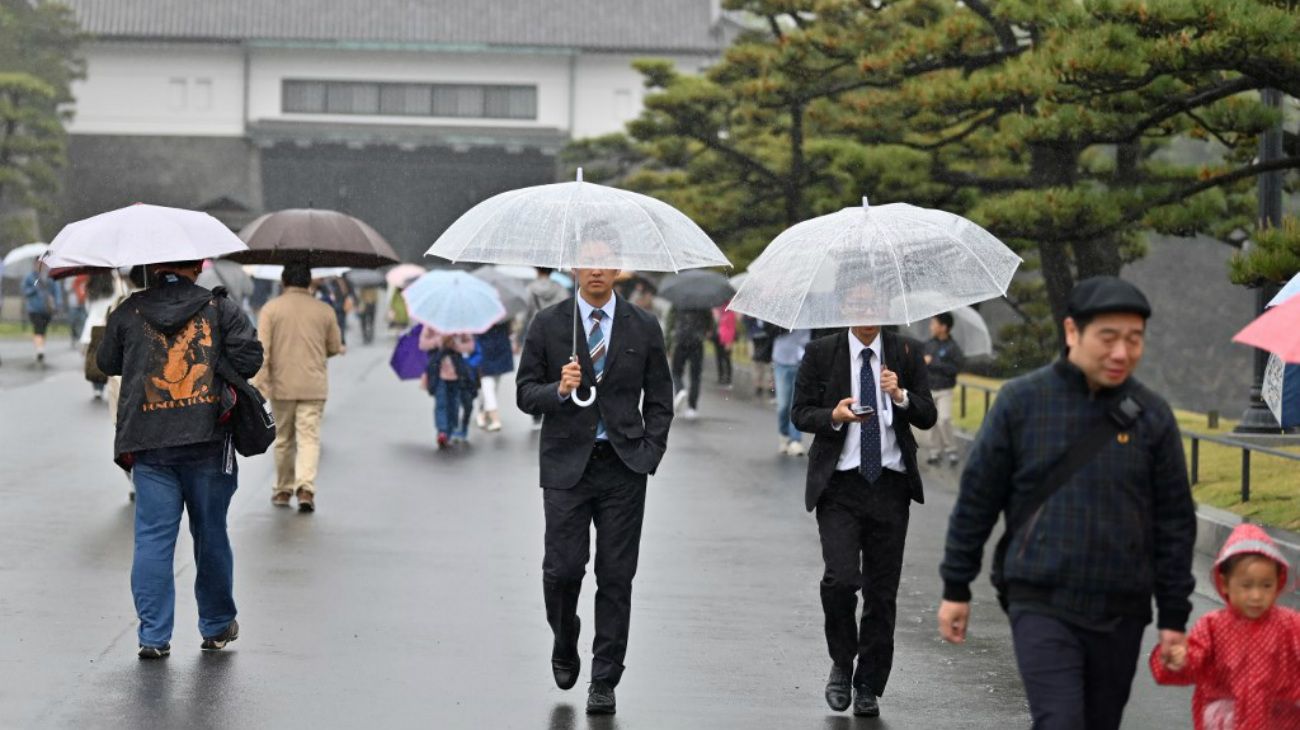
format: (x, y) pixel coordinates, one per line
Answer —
(609, 92)
(158, 89)
(198, 90)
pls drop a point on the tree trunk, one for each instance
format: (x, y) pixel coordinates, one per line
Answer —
(1052, 166)
(794, 184)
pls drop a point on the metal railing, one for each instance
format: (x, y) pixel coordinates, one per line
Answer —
(1196, 438)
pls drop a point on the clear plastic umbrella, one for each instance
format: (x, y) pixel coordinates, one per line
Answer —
(21, 261)
(968, 328)
(578, 225)
(513, 292)
(891, 264)
(136, 235)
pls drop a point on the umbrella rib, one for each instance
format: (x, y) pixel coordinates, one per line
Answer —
(962, 243)
(568, 206)
(907, 311)
(663, 241)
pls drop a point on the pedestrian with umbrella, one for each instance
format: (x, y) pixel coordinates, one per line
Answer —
(452, 307)
(861, 393)
(542, 292)
(168, 342)
(299, 334)
(596, 451)
(693, 295)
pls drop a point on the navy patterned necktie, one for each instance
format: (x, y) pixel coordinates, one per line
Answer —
(870, 466)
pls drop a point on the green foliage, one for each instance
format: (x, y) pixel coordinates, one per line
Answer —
(38, 63)
(1274, 256)
(1067, 128)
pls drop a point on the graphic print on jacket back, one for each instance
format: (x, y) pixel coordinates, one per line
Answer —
(180, 367)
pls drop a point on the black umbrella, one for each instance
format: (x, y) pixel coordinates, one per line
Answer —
(314, 237)
(696, 289)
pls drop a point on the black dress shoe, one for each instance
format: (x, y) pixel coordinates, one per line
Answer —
(838, 691)
(566, 665)
(600, 698)
(864, 703)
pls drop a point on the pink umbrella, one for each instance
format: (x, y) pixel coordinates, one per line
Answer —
(1277, 331)
(402, 274)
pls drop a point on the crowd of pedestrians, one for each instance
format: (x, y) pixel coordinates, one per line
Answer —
(1083, 461)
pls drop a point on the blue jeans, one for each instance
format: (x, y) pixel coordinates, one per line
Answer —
(161, 493)
(446, 408)
(785, 376)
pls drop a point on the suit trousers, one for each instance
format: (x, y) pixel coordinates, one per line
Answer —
(297, 443)
(688, 353)
(863, 528)
(611, 496)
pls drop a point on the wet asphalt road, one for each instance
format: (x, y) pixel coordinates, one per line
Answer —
(412, 598)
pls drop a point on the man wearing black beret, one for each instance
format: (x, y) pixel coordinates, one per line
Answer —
(1087, 465)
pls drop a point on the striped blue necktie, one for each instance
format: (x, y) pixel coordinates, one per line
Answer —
(870, 466)
(596, 343)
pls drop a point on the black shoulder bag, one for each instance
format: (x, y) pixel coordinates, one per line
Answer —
(1119, 418)
(245, 413)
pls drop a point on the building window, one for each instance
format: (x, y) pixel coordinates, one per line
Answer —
(203, 95)
(418, 100)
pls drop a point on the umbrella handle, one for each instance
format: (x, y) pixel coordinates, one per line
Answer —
(583, 403)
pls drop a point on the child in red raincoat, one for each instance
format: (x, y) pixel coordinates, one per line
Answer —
(1244, 659)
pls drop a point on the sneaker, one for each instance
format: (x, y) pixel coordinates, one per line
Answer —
(481, 420)
(796, 449)
(155, 652)
(281, 499)
(679, 400)
(692, 414)
(953, 459)
(783, 446)
(306, 503)
(932, 459)
(492, 427)
(443, 440)
(218, 642)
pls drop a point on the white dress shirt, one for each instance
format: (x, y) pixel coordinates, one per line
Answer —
(891, 456)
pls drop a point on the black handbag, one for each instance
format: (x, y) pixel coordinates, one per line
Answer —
(245, 413)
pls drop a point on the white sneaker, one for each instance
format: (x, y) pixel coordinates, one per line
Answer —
(679, 399)
(795, 449)
(784, 447)
(692, 414)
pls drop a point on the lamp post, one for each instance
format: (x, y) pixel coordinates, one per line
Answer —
(1257, 418)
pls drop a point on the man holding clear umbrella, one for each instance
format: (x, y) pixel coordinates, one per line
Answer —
(860, 393)
(595, 461)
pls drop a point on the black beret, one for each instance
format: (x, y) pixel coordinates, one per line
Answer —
(1104, 294)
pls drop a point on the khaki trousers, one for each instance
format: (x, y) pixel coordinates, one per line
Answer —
(941, 439)
(297, 443)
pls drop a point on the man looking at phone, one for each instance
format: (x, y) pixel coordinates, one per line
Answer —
(860, 392)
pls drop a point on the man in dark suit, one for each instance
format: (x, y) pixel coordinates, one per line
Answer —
(860, 392)
(594, 462)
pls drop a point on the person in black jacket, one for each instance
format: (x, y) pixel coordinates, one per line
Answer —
(594, 462)
(1080, 572)
(943, 359)
(165, 342)
(862, 477)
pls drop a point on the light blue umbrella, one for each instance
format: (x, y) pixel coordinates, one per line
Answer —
(1291, 289)
(454, 302)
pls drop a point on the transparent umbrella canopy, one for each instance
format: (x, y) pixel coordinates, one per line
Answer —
(578, 225)
(889, 264)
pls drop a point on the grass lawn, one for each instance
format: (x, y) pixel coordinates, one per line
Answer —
(13, 330)
(1274, 482)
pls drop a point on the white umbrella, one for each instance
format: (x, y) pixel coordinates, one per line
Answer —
(140, 234)
(578, 225)
(968, 328)
(21, 261)
(272, 272)
(891, 264)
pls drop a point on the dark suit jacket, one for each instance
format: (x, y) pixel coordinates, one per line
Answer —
(635, 398)
(824, 381)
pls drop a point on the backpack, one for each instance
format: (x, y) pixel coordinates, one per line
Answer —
(245, 413)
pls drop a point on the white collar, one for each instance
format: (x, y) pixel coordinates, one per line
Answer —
(856, 347)
(586, 308)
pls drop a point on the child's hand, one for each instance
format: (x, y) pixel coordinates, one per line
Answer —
(1175, 658)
